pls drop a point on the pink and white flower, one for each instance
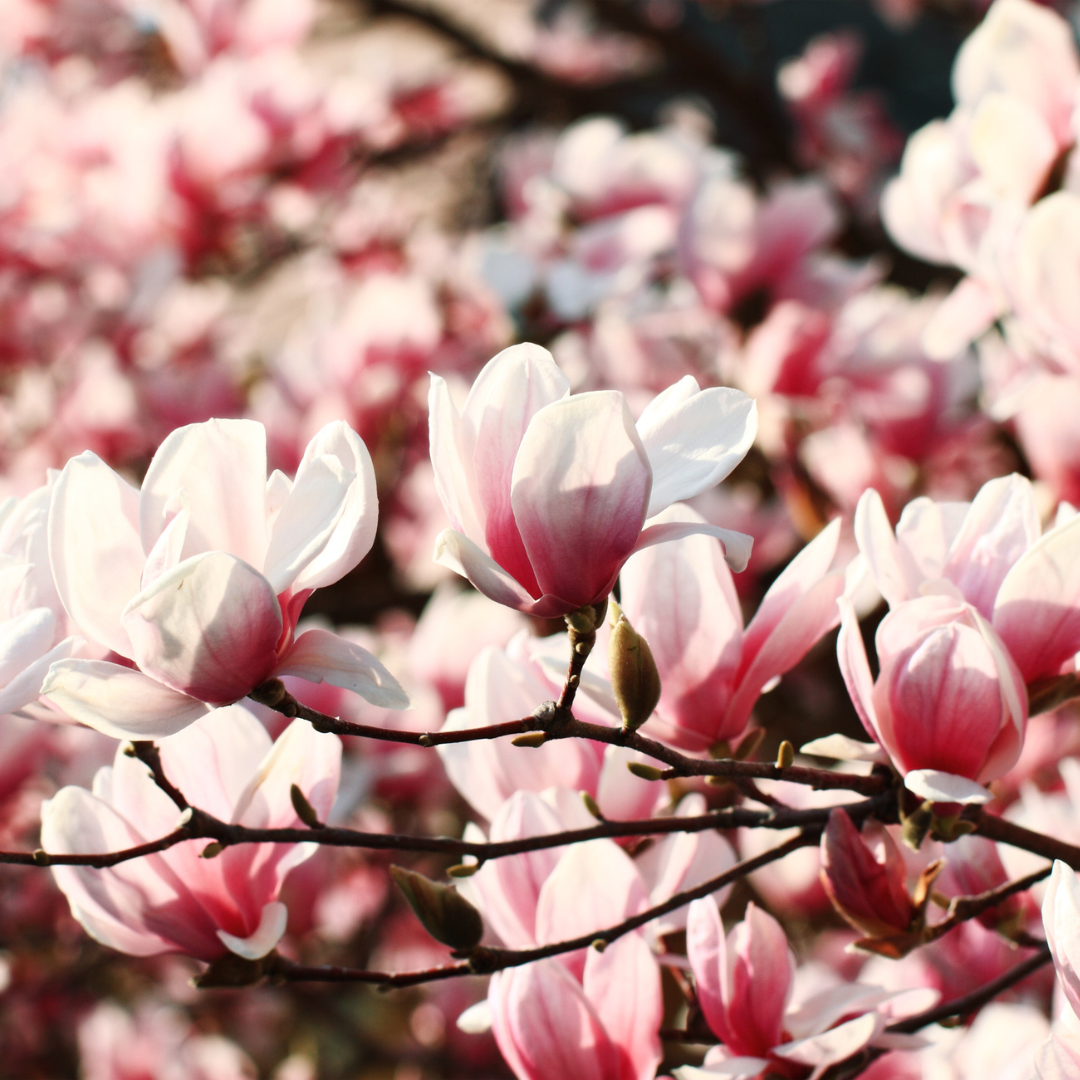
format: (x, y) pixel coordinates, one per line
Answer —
(948, 706)
(681, 597)
(549, 492)
(177, 901)
(196, 581)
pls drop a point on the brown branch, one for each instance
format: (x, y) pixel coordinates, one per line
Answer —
(962, 908)
(99, 862)
(203, 826)
(487, 960)
(150, 756)
(559, 724)
(1007, 832)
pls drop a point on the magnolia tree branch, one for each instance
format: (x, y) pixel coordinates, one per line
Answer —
(556, 722)
(958, 1007)
(1007, 832)
(962, 908)
(487, 960)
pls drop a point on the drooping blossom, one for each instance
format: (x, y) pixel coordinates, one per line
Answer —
(948, 706)
(177, 901)
(992, 554)
(196, 581)
(744, 984)
(681, 597)
(549, 492)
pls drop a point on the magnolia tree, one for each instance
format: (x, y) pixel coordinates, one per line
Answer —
(704, 703)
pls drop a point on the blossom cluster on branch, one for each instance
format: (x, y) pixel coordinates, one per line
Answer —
(600, 590)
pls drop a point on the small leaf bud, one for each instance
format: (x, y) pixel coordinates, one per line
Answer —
(634, 676)
(530, 738)
(304, 810)
(785, 755)
(446, 915)
(212, 850)
(645, 772)
(463, 870)
(592, 806)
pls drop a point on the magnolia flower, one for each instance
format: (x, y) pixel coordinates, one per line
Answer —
(549, 492)
(948, 706)
(34, 628)
(744, 987)
(177, 901)
(990, 554)
(197, 581)
(681, 597)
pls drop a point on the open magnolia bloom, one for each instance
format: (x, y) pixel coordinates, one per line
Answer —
(549, 492)
(177, 901)
(196, 582)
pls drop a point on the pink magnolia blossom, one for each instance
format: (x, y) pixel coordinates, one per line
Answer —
(948, 706)
(682, 599)
(155, 1044)
(586, 1014)
(177, 901)
(744, 986)
(196, 582)
(507, 684)
(549, 493)
(867, 886)
(990, 554)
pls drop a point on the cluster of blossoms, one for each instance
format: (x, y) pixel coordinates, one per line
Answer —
(254, 285)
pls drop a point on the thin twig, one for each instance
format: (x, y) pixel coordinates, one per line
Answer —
(486, 961)
(150, 756)
(557, 725)
(1007, 832)
(962, 908)
(99, 862)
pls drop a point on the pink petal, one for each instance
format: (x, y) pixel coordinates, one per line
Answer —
(836, 1044)
(546, 1028)
(580, 485)
(450, 442)
(694, 438)
(623, 985)
(327, 523)
(320, 656)
(512, 388)
(736, 545)
(855, 668)
(119, 701)
(458, 553)
(594, 885)
(94, 548)
(1061, 920)
(1037, 612)
(208, 628)
(1001, 525)
(220, 466)
(706, 949)
(878, 544)
(271, 929)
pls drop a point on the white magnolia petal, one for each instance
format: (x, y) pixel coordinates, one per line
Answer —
(843, 748)
(735, 1068)
(460, 554)
(26, 686)
(339, 515)
(694, 438)
(220, 465)
(119, 701)
(94, 548)
(940, 786)
(320, 656)
(476, 1019)
(737, 546)
(271, 929)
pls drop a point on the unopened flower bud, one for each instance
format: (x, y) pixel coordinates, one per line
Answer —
(634, 677)
(868, 888)
(446, 914)
(304, 810)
